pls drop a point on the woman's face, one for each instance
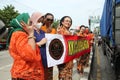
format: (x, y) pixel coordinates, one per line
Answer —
(49, 20)
(67, 22)
(38, 24)
(82, 30)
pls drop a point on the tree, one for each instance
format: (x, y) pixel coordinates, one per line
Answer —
(7, 14)
(55, 23)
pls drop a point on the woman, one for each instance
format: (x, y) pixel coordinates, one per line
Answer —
(81, 60)
(47, 28)
(48, 20)
(65, 70)
(37, 21)
(27, 63)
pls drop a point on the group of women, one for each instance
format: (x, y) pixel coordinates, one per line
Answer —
(26, 46)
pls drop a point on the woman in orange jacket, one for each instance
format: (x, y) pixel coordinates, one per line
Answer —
(65, 69)
(27, 63)
(47, 28)
(81, 59)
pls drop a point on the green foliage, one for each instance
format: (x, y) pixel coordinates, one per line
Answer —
(7, 14)
(55, 23)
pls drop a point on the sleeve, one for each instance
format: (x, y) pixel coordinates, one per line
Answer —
(24, 50)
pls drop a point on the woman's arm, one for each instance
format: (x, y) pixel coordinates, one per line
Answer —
(42, 42)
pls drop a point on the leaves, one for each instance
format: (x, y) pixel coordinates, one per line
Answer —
(7, 14)
(55, 23)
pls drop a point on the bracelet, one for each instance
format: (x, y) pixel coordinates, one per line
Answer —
(29, 37)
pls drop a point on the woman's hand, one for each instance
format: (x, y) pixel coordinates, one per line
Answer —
(42, 42)
(27, 28)
(30, 32)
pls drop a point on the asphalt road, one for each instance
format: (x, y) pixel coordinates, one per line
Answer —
(101, 68)
(6, 63)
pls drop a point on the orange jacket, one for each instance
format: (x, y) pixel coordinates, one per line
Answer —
(63, 31)
(91, 38)
(27, 62)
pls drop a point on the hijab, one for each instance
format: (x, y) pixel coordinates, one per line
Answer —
(16, 26)
(35, 17)
(15, 23)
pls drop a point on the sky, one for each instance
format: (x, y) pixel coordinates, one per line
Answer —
(78, 10)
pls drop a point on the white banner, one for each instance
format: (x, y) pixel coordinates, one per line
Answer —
(55, 49)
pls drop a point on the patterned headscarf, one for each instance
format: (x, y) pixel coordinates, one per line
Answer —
(34, 18)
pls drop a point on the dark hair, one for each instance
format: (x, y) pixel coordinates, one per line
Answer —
(46, 16)
(86, 27)
(49, 14)
(82, 26)
(62, 19)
